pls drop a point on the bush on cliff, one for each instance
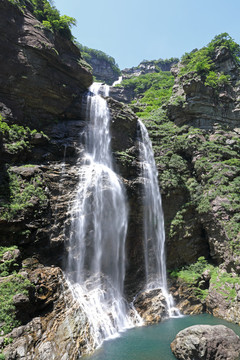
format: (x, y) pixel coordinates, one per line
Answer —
(203, 63)
(49, 16)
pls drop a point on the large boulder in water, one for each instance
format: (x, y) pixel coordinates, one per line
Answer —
(206, 342)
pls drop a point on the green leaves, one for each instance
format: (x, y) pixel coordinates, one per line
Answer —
(202, 61)
(49, 16)
(9, 287)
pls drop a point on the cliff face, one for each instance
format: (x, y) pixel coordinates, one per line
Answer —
(41, 123)
(196, 141)
(195, 138)
(195, 104)
(41, 73)
(103, 66)
(42, 80)
(147, 67)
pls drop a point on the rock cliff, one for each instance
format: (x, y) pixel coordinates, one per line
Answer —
(195, 136)
(41, 73)
(42, 80)
(196, 104)
(41, 123)
(103, 66)
(147, 67)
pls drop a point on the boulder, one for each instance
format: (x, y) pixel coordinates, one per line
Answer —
(206, 342)
(151, 305)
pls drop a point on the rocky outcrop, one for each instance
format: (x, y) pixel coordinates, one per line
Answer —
(103, 70)
(196, 104)
(59, 328)
(124, 131)
(147, 67)
(44, 79)
(206, 342)
(218, 303)
(122, 94)
(151, 306)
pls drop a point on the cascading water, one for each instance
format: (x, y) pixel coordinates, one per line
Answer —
(154, 233)
(96, 261)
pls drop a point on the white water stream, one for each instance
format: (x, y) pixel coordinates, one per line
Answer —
(99, 219)
(96, 262)
(154, 232)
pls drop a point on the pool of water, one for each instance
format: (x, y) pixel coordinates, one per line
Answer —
(152, 342)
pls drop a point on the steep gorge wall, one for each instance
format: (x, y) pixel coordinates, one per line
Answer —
(42, 123)
(196, 141)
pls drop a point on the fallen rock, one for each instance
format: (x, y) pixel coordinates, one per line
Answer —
(206, 342)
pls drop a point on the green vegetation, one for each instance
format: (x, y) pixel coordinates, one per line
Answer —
(202, 62)
(15, 137)
(206, 168)
(221, 281)
(90, 54)
(202, 166)
(151, 90)
(18, 194)
(48, 15)
(10, 286)
(7, 266)
(161, 62)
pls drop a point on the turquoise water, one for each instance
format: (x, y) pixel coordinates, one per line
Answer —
(152, 342)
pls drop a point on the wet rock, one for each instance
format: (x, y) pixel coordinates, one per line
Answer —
(59, 331)
(185, 298)
(206, 342)
(151, 305)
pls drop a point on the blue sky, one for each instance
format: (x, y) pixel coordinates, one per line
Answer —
(133, 30)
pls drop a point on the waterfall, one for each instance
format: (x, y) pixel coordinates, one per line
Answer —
(117, 82)
(99, 216)
(154, 232)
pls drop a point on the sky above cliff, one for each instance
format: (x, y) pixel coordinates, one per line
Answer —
(133, 30)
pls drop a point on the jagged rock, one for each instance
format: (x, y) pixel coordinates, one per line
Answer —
(206, 342)
(12, 255)
(60, 332)
(196, 104)
(185, 298)
(121, 94)
(219, 305)
(102, 69)
(146, 67)
(43, 80)
(151, 305)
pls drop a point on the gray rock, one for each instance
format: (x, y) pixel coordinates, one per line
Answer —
(205, 342)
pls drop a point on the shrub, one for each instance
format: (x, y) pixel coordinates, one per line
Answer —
(49, 16)
(10, 286)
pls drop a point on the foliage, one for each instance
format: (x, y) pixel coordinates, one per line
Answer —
(217, 80)
(150, 90)
(202, 61)
(204, 167)
(161, 61)
(9, 287)
(89, 54)
(8, 265)
(15, 137)
(49, 16)
(221, 281)
(21, 194)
